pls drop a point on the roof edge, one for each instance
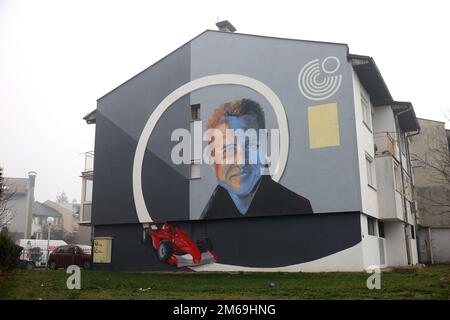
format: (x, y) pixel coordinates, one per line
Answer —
(222, 32)
(365, 64)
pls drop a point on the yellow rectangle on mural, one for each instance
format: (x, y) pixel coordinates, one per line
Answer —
(102, 250)
(323, 126)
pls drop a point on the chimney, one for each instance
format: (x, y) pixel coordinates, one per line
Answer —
(225, 26)
(30, 200)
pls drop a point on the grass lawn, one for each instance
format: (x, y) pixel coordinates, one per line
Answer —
(427, 283)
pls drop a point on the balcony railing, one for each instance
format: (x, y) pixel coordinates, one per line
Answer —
(384, 143)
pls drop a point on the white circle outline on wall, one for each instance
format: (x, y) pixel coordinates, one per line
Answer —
(338, 64)
(212, 80)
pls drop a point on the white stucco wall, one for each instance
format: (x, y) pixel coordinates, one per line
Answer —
(371, 246)
(388, 198)
(365, 145)
(346, 260)
(395, 244)
(414, 253)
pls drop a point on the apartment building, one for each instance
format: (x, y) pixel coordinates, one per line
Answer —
(333, 194)
(430, 159)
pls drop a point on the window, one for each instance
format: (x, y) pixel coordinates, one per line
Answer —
(366, 109)
(75, 250)
(410, 232)
(381, 229)
(86, 212)
(88, 190)
(370, 171)
(195, 112)
(195, 169)
(371, 229)
(64, 249)
(413, 233)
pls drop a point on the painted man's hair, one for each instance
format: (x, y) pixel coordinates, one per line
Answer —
(237, 108)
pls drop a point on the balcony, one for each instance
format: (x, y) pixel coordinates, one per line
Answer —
(390, 201)
(88, 162)
(384, 144)
(86, 190)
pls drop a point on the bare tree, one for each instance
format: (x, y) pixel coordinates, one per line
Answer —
(433, 164)
(62, 198)
(6, 214)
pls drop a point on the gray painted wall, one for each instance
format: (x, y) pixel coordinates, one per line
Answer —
(328, 177)
(121, 116)
(434, 245)
(18, 205)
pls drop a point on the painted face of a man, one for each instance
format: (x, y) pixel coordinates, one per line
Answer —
(237, 164)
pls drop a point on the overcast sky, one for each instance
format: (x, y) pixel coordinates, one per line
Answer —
(58, 57)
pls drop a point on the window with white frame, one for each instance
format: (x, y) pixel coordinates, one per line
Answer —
(370, 170)
(371, 226)
(195, 167)
(195, 112)
(86, 201)
(88, 190)
(195, 170)
(366, 109)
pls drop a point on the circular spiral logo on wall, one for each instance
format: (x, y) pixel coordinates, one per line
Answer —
(318, 81)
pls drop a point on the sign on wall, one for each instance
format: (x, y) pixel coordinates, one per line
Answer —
(102, 250)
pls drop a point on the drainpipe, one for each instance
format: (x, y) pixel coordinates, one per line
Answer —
(410, 172)
(30, 199)
(405, 212)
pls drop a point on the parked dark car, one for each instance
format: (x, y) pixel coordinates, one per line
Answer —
(64, 256)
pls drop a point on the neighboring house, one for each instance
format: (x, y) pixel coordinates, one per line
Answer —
(20, 194)
(70, 213)
(70, 224)
(431, 163)
(39, 227)
(339, 197)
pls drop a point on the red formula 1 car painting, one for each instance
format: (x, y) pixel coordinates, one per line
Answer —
(174, 246)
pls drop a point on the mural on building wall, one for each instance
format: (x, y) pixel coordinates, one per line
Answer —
(243, 189)
(235, 213)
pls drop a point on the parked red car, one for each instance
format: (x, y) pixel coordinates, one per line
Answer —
(64, 256)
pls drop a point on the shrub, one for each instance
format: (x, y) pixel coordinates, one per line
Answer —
(9, 252)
